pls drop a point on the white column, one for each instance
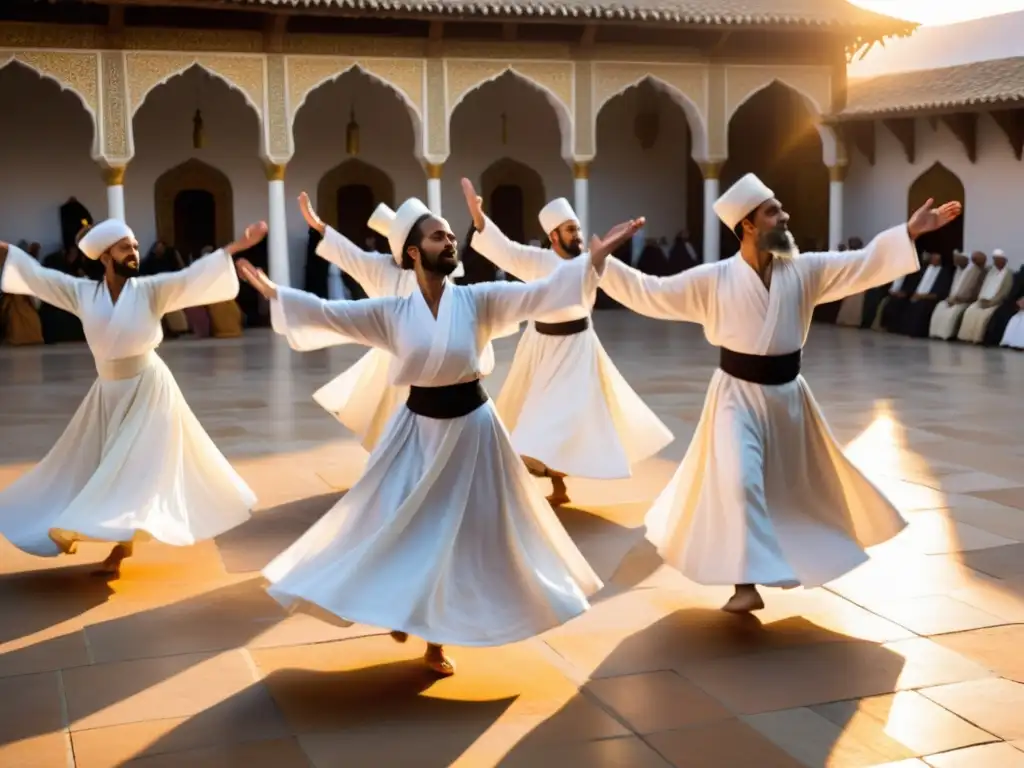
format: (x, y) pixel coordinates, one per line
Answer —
(114, 178)
(837, 177)
(581, 197)
(434, 187)
(277, 223)
(712, 226)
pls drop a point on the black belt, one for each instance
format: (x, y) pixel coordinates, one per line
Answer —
(568, 328)
(450, 402)
(767, 370)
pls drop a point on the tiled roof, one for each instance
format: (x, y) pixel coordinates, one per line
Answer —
(834, 14)
(999, 81)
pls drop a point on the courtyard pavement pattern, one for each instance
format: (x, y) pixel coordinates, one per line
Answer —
(912, 660)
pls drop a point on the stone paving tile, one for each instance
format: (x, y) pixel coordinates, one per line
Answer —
(186, 661)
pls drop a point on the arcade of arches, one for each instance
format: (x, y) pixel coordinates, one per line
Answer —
(201, 149)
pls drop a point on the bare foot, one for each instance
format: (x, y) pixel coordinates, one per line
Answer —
(746, 599)
(534, 467)
(399, 637)
(437, 660)
(559, 493)
(112, 565)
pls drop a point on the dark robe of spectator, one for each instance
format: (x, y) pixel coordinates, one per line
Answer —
(898, 299)
(255, 308)
(60, 326)
(477, 268)
(623, 253)
(316, 268)
(918, 316)
(682, 255)
(1005, 312)
(652, 260)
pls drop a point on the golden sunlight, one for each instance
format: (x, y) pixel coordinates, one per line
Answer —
(935, 13)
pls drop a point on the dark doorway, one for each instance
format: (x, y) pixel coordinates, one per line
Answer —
(942, 185)
(356, 203)
(507, 211)
(195, 222)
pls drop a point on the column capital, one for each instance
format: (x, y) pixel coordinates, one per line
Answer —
(434, 170)
(838, 172)
(581, 169)
(711, 169)
(274, 171)
(113, 175)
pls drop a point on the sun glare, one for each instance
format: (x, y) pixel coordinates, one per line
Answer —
(935, 13)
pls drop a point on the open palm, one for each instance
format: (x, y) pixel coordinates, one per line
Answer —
(928, 219)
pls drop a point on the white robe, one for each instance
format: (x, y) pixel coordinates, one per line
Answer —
(736, 512)
(445, 536)
(1013, 336)
(995, 289)
(946, 318)
(564, 401)
(362, 398)
(134, 461)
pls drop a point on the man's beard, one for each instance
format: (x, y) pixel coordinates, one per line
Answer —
(125, 270)
(574, 247)
(779, 242)
(443, 263)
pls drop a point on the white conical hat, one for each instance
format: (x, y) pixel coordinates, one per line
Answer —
(381, 219)
(99, 239)
(396, 225)
(740, 199)
(555, 214)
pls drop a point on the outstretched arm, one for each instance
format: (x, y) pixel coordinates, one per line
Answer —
(684, 297)
(207, 280)
(24, 275)
(376, 272)
(889, 256)
(309, 322)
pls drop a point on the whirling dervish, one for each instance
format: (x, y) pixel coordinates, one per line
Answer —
(134, 462)
(362, 398)
(569, 410)
(737, 513)
(444, 536)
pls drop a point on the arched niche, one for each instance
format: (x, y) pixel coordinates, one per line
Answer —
(46, 65)
(200, 184)
(518, 191)
(147, 72)
(467, 78)
(646, 142)
(802, 89)
(775, 134)
(309, 75)
(352, 173)
(942, 185)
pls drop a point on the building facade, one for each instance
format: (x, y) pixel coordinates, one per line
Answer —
(192, 121)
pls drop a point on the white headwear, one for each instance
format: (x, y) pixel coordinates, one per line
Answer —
(555, 214)
(396, 225)
(99, 239)
(998, 252)
(740, 199)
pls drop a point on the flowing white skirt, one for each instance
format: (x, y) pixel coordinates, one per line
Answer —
(946, 318)
(362, 398)
(445, 536)
(133, 461)
(566, 405)
(738, 513)
(1013, 336)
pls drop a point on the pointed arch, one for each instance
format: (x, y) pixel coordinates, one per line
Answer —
(940, 183)
(351, 172)
(311, 78)
(813, 105)
(26, 62)
(190, 175)
(176, 66)
(563, 111)
(509, 173)
(694, 117)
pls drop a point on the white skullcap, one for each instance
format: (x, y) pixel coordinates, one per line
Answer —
(396, 225)
(740, 199)
(99, 239)
(998, 252)
(555, 214)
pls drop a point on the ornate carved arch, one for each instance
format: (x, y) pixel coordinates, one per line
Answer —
(352, 171)
(147, 71)
(683, 85)
(194, 174)
(553, 79)
(77, 73)
(507, 171)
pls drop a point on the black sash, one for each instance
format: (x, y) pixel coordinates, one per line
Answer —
(767, 370)
(450, 402)
(568, 328)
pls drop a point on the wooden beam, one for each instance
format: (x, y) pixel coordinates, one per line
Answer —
(508, 31)
(903, 129)
(965, 127)
(589, 36)
(861, 136)
(719, 44)
(436, 31)
(115, 26)
(1011, 121)
(274, 27)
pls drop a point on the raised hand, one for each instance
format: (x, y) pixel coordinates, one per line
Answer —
(253, 234)
(257, 278)
(309, 214)
(475, 204)
(600, 247)
(927, 219)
